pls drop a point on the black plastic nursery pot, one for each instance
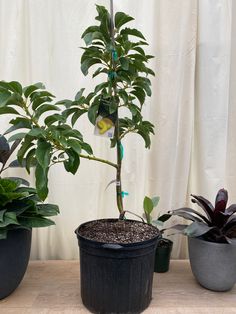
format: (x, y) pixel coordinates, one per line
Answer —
(116, 278)
(162, 256)
(14, 258)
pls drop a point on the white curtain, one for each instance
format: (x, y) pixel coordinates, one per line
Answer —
(193, 106)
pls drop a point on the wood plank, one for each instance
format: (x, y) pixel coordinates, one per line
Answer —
(51, 287)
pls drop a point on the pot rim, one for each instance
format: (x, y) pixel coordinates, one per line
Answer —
(117, 243)
(211, 243)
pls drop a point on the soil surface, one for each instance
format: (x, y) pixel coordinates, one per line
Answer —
(118, 231)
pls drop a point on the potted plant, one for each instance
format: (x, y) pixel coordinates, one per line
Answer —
(116, 255)
(211, 241)
(20, 211)
(164, 245)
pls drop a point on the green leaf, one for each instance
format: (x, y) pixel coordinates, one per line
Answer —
(35, 222)
(19, 123)
(25, 145)
(35, 132)
(90, 37)
(4, 96)
(121, 19)
(73, 133)
(7, 110)
(87, 148)
(79, 94)
(90, 29)
(54, 118)
(75, 145)
(99, 71)
(132, 31)
(139, 49)
(147, 205)
(105, 28)
(39, 101)
(30, 160)
(145, 135)
(19, 181)
(73, 162)
(44, 108)
(124, 63)
(92, 113)
(155, 200)
(41, 175)
(102, 13)
(43, 153)
(13, 86)
(88, 63)
(76, 115)
(9, 219)
(18, 136)
(2, 212)
(47, 209)
(139, 94)
(31, 88)
(16, 87)
(100, 87)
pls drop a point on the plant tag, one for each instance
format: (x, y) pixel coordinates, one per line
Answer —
(104, 127)
(105, 121)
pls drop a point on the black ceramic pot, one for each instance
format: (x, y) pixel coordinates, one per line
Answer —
(14, 258)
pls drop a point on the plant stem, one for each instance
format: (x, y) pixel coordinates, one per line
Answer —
(98, 159)
(113, 94)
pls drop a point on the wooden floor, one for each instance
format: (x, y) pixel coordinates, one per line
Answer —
(53, 287)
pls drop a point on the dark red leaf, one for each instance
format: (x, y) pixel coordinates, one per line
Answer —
(221, 200)
(231, 209)
(231, 223)
(205, 205)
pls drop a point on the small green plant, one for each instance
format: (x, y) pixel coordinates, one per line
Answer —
(20, 206)
(148, 205)
(217, 225)
(119, 52)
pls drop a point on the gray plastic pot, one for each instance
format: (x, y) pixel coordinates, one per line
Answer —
(14, 258)
(213, 264)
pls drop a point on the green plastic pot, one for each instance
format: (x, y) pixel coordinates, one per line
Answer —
(162, 256)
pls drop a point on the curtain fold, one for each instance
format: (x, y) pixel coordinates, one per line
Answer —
(192, 107)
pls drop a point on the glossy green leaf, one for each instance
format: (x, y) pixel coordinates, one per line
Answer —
(124, 63)
(73, 161)
(8, 110)
(45, 108)
(121, 18)
(87, 64)
(19, 123)
(155, 200)
(147, 205)
(133, 32)
(31, 88)
(47, 209)
(75, 145)
(41, 175)
(43, 153)
(17, 136)
(4, 96)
